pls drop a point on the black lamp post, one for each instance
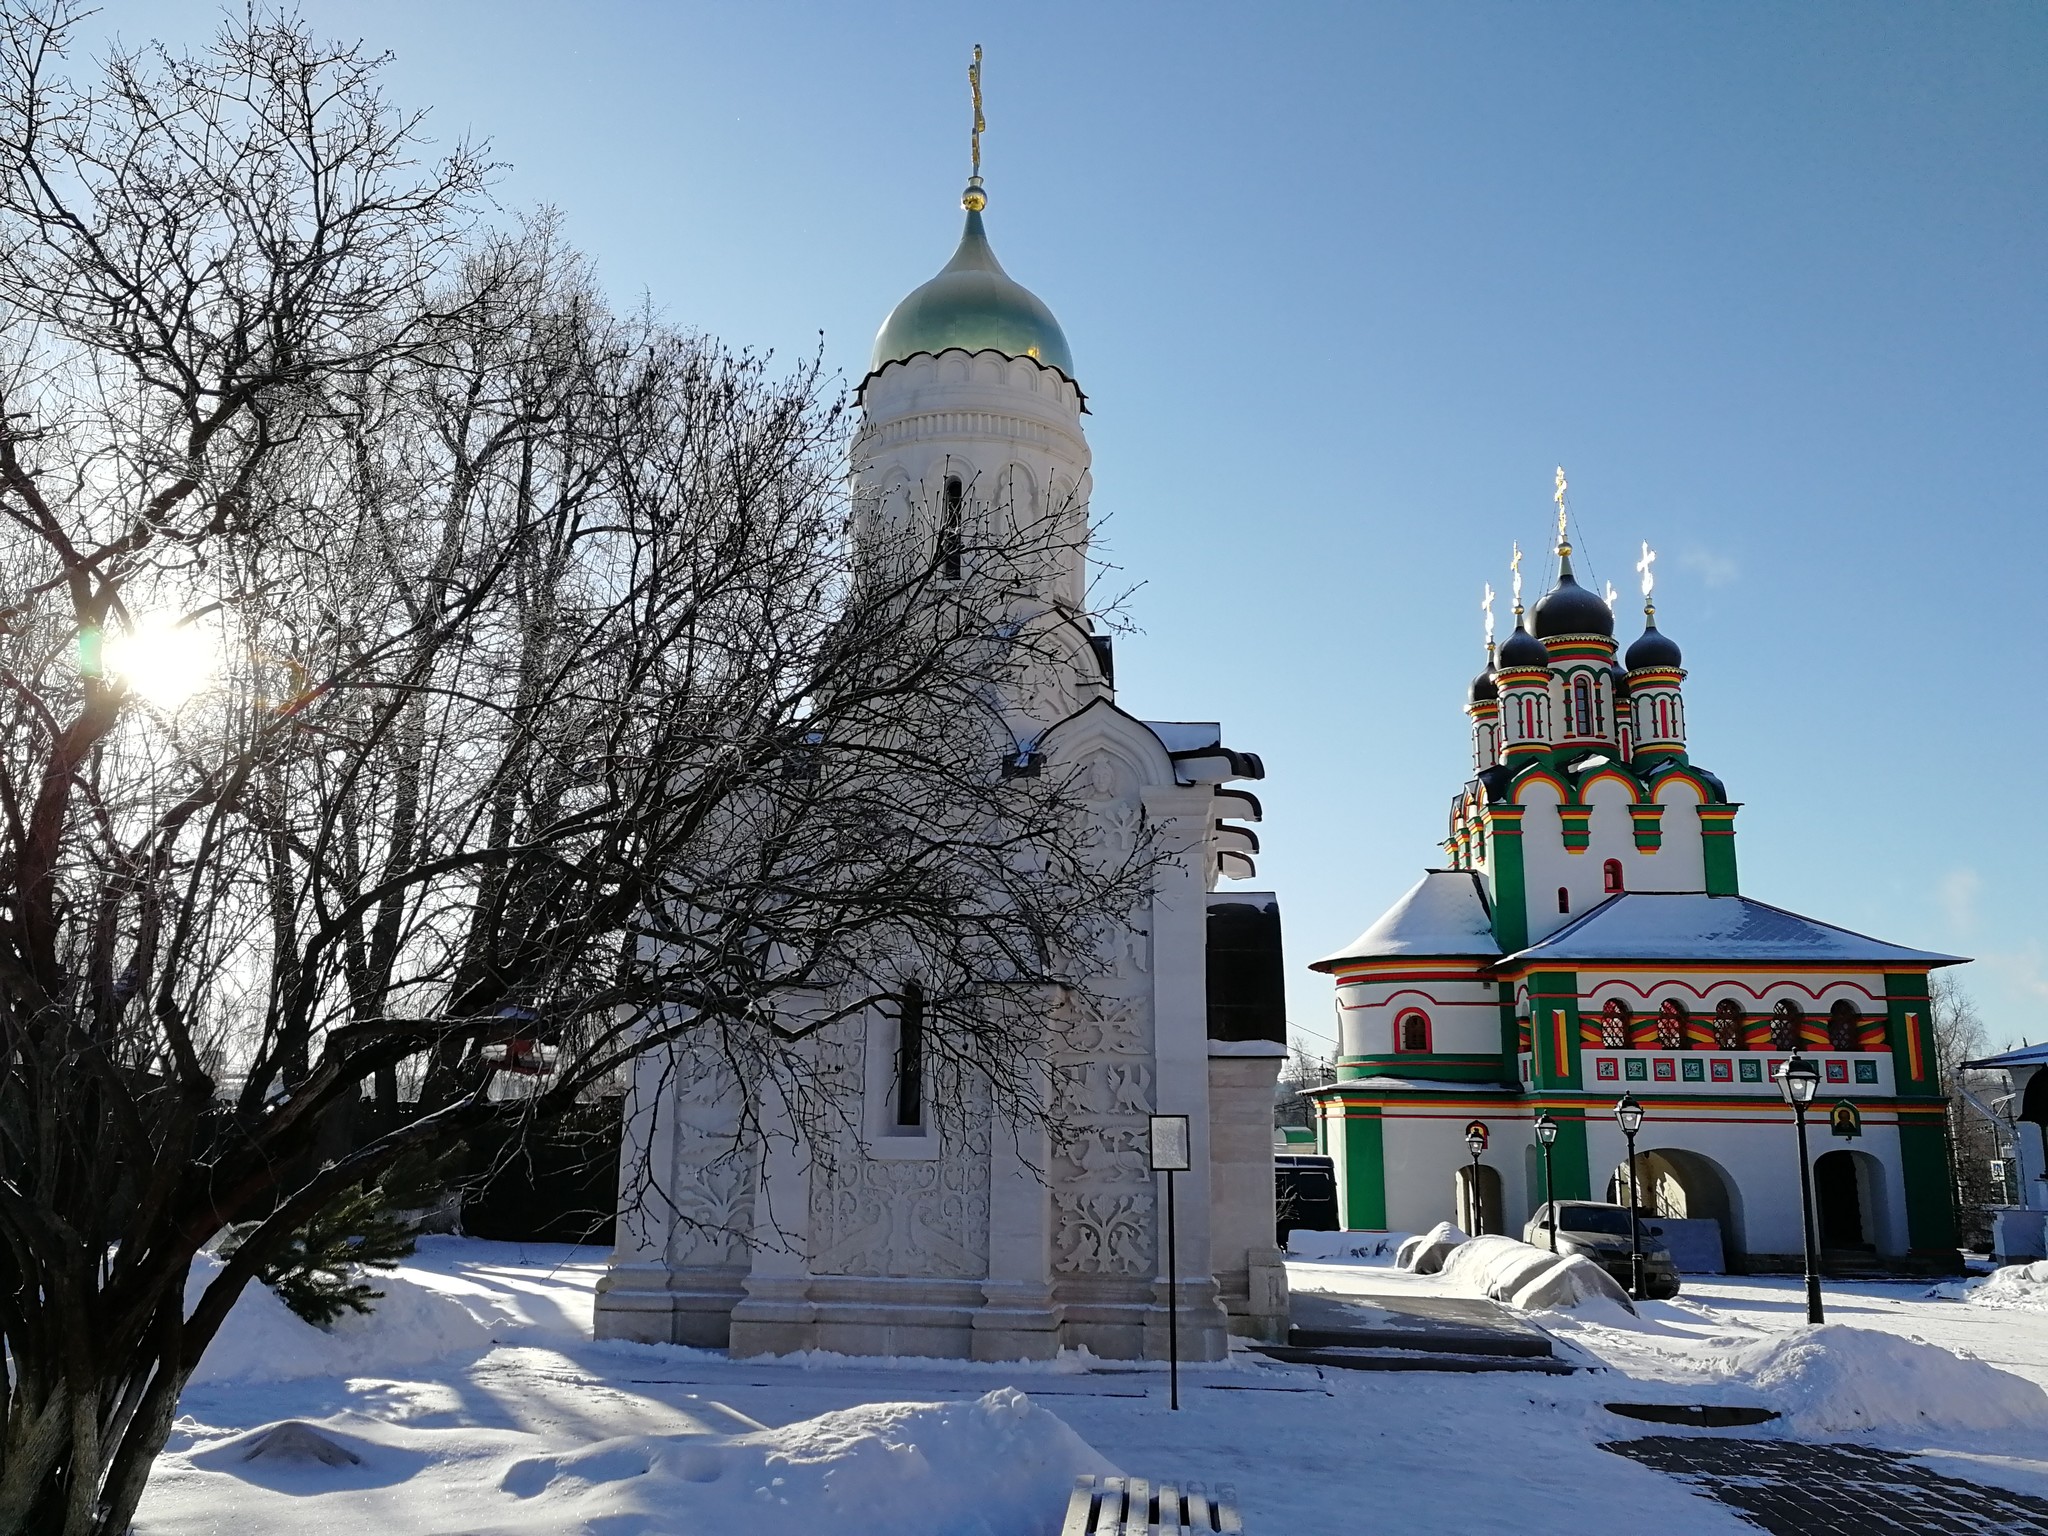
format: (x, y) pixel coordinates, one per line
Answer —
(1475, 1143)
(1799, 1081)
(1546, 1133)
(1628, 1112)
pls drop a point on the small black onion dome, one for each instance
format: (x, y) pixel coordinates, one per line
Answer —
(1653, 648)
(1522, 649)
(1484, 689)
(1569, 609)
(1620, 682)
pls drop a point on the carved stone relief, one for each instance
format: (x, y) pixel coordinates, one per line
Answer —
(1102, 1187)
(711, 1188)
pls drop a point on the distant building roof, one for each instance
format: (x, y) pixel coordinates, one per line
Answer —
(1691, 925)
(1443, 915)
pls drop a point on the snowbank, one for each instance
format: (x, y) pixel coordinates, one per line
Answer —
(1425, 1254)
(264, 1340)
(1528, 1278)
(2018, 1287)
(1371, 1246)
(996, 1466)
(1835, 1379)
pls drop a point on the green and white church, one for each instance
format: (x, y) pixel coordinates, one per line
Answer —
(1588, 937)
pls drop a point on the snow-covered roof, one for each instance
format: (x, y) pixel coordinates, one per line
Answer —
(1691, 925)
(1186, 735)
(2025, 1056)
(1443, 914)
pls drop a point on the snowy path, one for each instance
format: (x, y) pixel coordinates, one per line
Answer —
(1306, 1449)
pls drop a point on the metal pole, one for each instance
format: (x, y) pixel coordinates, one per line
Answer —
(1549, 1196)
(1635, 1223)
(1813, 1308)
(1475, 1206)
(1172, 1302)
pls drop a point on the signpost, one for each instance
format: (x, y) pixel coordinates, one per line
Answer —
(1170, 1153)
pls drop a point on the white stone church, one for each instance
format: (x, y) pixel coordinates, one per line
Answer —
(907, 1239)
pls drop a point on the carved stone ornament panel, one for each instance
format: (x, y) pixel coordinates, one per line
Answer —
(711, 1185)
(1102, 1186)
(919, 1219)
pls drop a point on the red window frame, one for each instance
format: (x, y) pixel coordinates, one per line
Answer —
(1401, 1045)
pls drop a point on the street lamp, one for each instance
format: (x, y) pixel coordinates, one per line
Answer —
(1628, 1112)
(1799, 1081)
(1546, 1133)
(1475, 1143)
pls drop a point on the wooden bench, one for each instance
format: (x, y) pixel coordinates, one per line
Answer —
(1131, 1506)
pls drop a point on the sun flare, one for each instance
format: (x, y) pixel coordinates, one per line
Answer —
(162, 660)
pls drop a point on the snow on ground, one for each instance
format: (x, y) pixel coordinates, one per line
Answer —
(515, 1423)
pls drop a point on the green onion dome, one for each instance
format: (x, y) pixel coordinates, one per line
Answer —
(975, 305)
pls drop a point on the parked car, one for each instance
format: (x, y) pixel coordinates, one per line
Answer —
(1600, 1232)
(1304, 1194)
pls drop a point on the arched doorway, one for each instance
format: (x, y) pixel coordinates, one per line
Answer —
(1848, 1196)
(1678, 1184)
(1483, 1214)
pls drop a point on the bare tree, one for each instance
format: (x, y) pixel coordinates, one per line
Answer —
(1976, 1139)
(412, 669)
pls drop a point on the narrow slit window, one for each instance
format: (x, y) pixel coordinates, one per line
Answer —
(1610, 876)
(910, 1057)
(1564, 899)
(949, 530)
(1582, 705)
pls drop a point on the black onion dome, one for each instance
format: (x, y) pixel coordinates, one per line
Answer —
(1653, 648)
(1620, 682)
(1569, 609)
(1522, 649)
(1484, 688)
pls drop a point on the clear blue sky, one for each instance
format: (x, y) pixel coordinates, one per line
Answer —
(1344, 282)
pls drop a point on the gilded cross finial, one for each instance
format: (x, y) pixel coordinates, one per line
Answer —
(1515, 565)
(1486, 607)
(1611, 594)
(1563, 546)
(974, 86)
(1649, 577)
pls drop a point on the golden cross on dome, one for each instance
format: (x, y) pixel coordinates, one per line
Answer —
(1515, 565)
(1562, 547)
(1649, 576)
(974, 85)
(1486, 607)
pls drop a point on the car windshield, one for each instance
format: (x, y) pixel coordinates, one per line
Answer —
(1608, 1220)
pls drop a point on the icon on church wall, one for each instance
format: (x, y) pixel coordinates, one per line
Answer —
(1866, 1071)
(1695, 1070)
(1838, 1071)
(1667, 1070)
(1635, 1070)
(1752, 1071)
(1845, 1119)
(1607, 1069)
(1724, 1071)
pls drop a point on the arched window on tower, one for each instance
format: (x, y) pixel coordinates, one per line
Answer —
(1728, 1025)
(1845, 1027)
(1614, 1020)
(1671, 1025)
(1564, 899)
(1528, 719)
(1786, 1017)
(1663, 720)
(1610, 877)
(1582, 705)
(1411, 1032)
(950, 517)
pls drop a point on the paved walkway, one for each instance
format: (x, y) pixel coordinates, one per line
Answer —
(1795, 1489)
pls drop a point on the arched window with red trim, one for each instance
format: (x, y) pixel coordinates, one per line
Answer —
(1411, 1032)
(1671, 1025)
(1610, 877)
(1582, 705)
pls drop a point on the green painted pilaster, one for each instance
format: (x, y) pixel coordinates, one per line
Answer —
(1909, 1030)
(1571, 1168)
(1557, 1060)
(1923, 1157)
(1510, 893)
(1363, 1194)
(1717, 846)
